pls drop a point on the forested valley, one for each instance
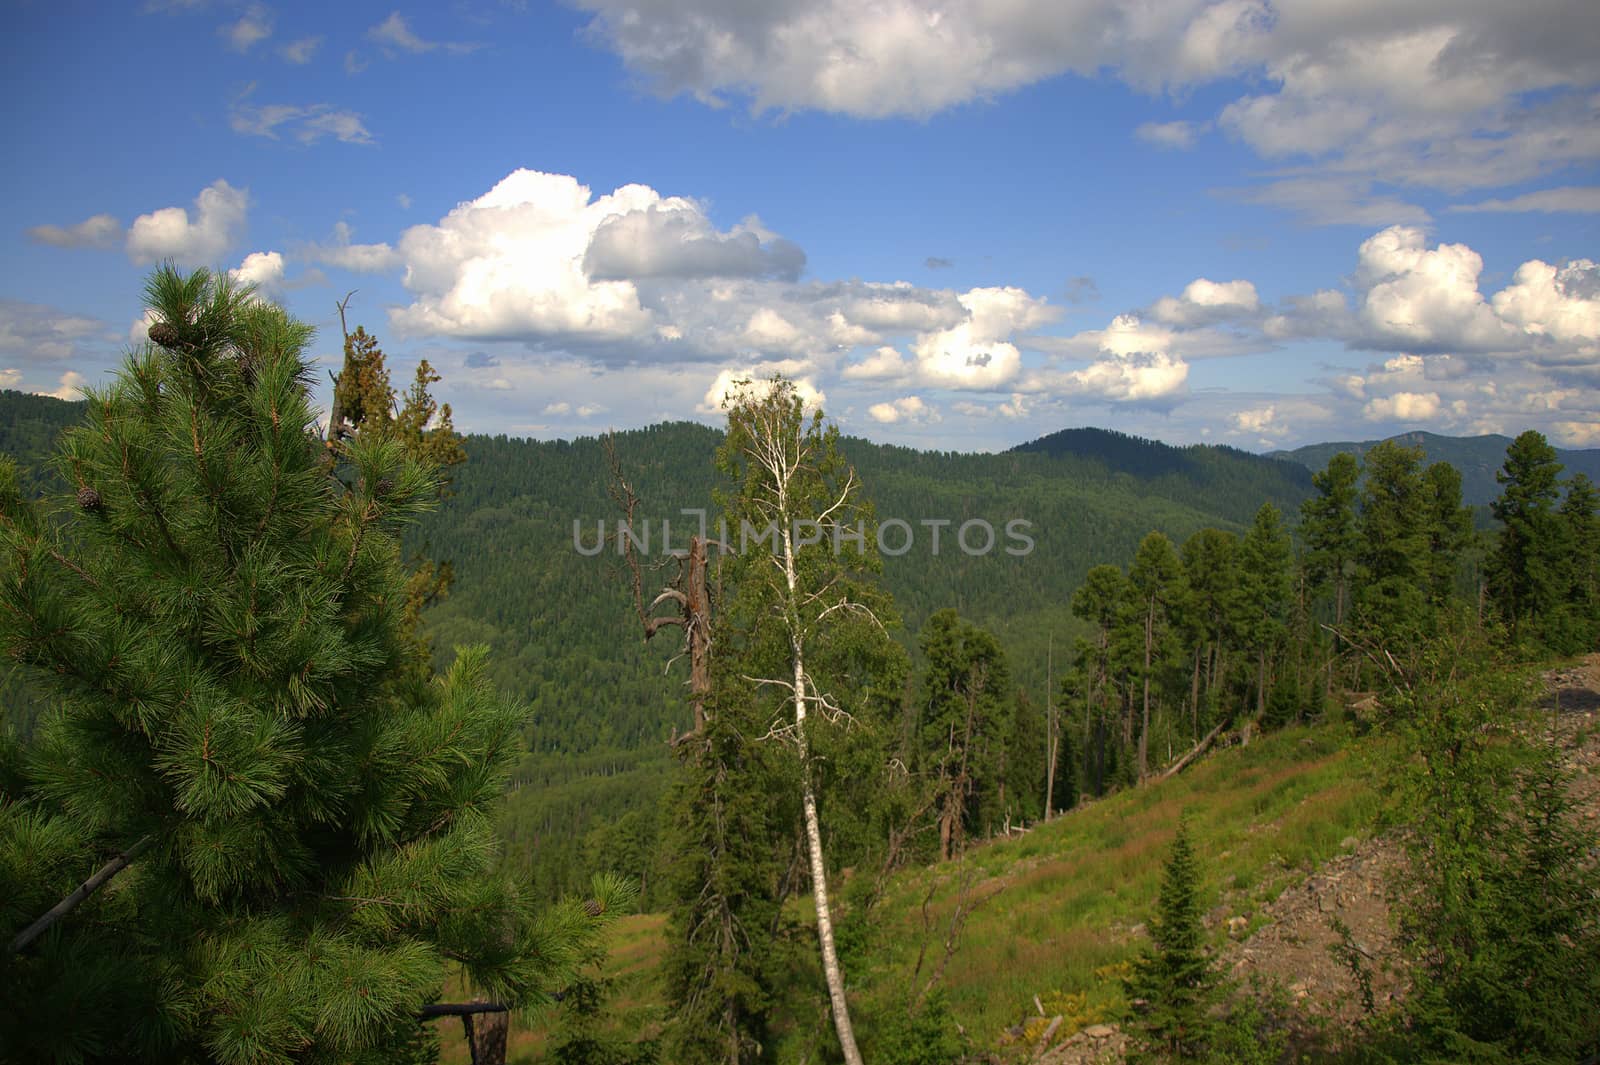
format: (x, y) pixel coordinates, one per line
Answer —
(364, 714)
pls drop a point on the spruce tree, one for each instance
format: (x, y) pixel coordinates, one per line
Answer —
(1449, 530)
(1524, 575)
(961, 712)
(1328, 526)
(1265, 558)
(1211, 611)
(219, 613)
(1175, 977)
(727, 841)
(1393, 562)
(1580, 519)
(1156, 578)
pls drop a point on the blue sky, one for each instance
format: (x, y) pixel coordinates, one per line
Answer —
(961, 224)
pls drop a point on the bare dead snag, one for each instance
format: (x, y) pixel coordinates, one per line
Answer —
(688, 591)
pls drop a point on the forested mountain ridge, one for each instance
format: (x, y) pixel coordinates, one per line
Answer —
(1477, 458)
(561, 627)
(553, 615)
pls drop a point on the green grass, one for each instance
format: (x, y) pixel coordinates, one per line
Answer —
(1060, 905)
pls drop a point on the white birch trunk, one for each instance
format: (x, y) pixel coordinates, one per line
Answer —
(831, 971)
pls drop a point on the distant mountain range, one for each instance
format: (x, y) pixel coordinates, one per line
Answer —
(1477, 457)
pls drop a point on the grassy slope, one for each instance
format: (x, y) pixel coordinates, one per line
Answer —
(1065, 901)
(1062, 901)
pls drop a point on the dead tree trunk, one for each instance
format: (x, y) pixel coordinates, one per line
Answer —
(689, 590)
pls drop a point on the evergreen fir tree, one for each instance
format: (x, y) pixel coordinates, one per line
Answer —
(1175, 977)
(219, 614)
(1211, 613)
(1156, 578)
(1328, 526)
(1393, 562)
(962, 710)
(1265, 558)
(1580, 518)
(726, 836)
(1524, 570)
(1449, 530)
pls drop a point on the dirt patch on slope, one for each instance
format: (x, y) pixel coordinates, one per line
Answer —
(1289, 942)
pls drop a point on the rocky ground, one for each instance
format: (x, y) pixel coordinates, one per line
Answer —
(1288, 941)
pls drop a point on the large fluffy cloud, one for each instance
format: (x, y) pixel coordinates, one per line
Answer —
(199, 238)
(977, 353)
(510, 264)
(732, 384)
(1415, 297)
(1559, 303)
(1131, 362)
(1418, 297)
(633, 276)
(904, 409)
(1442, 93)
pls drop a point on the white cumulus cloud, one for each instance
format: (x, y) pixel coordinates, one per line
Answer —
(198, 238)
(977, 353)
(1562, 303)
(673, 238)
(69, 387)
(510, 264)
(884, 364)
(1208, 301)
(1420, 297)
(904, 409)
(264, 269)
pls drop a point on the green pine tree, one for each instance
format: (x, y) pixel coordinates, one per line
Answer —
(1265, 561)
(1156, 578)
(1328, 526)
(1580, 519)
(1175, 978)
(727, 835)
(1524, 569)
(219, 614)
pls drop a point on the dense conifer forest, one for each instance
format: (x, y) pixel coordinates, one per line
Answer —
(367, 710)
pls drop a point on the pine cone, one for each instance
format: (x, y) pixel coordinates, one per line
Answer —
(89, 499)
(166, 334)
(593, 908)
(385, 486)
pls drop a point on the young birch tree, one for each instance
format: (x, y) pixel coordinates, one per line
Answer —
(805, 621)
